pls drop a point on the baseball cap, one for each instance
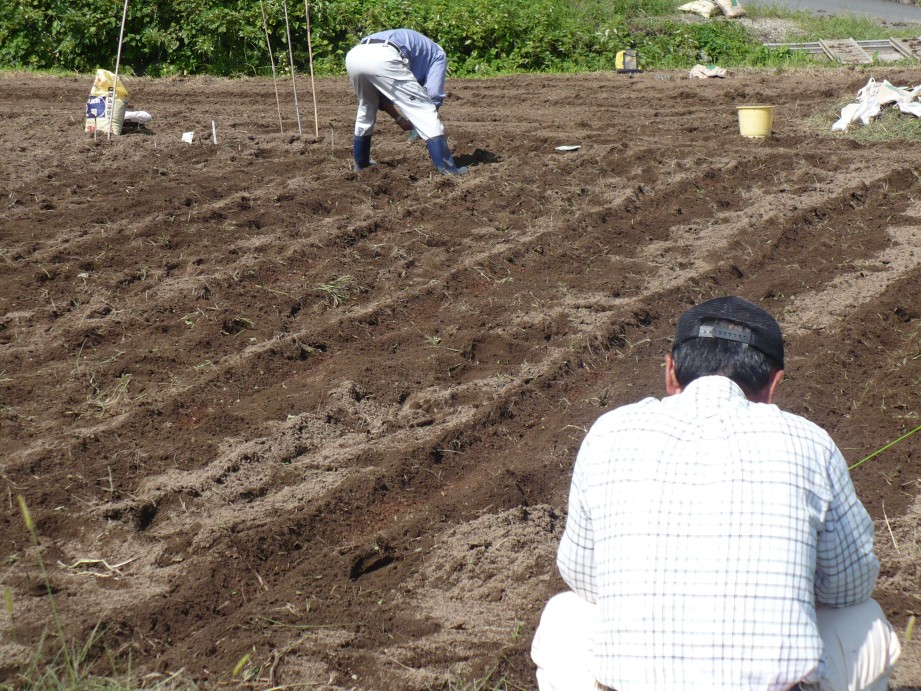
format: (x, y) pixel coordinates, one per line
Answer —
(751, 325)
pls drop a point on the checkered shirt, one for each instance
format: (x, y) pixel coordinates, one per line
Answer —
(706, 527)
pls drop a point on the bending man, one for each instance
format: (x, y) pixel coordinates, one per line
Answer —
(714, 541)
(402, 73)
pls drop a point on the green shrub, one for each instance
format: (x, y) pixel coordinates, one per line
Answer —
(481, 37)
(160, 36)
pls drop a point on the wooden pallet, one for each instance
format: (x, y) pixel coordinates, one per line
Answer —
(846, 51)
(909, 47)
(851, 52)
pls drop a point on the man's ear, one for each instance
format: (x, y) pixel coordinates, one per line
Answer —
(671, 380)
(771, 387)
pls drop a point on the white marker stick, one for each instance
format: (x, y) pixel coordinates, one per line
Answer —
(297, 110)
(118, 60)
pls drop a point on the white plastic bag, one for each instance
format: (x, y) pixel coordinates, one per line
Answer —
(856, 112)
(870, 100)
(894, 94)
(913, 108)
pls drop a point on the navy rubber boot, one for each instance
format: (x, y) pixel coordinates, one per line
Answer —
(441, 156)
(361, 151)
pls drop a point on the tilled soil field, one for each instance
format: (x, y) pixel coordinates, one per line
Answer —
(261, 405)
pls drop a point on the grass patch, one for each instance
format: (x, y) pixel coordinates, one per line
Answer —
(65, 667)
(815, 27)
(104, 401)
(61, 664)
(13, 71)
(339, 290)
(890, 126)
(812, 27)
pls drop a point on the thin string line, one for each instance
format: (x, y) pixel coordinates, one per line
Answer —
(892, 443)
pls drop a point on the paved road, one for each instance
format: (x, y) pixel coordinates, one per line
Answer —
(886, 11)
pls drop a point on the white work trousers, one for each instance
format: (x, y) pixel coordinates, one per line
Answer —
(860, 647)
(378, 68)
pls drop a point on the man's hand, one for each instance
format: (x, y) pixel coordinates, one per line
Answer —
(391, 110)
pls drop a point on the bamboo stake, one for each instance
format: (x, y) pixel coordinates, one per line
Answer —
(316, 119)
(297, 110)
(110, 100)
(268, 43)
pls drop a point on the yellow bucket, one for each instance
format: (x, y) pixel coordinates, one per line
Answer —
(755, 121)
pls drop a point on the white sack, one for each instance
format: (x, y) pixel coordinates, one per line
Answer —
(731, 8)
(704, 8)
(704, 71)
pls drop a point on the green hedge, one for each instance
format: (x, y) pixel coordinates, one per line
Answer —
(171, 36)
(480, 36)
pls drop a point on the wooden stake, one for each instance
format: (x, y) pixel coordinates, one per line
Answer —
(110, 111)
(297, 110)
(268, 43)
(316, 119)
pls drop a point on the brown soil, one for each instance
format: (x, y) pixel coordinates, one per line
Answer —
(328, 419)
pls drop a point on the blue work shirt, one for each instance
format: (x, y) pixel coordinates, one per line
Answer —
(427, 60)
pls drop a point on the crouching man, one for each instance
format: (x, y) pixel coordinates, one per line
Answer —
(714, 541)
(401, 72)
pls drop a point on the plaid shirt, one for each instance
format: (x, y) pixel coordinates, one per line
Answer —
(706, 528)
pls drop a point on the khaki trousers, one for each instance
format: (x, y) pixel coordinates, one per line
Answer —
(860, 647)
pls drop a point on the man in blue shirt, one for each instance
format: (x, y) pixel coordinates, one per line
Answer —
(401, 72)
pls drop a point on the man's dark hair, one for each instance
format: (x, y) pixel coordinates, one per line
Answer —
(699, 357)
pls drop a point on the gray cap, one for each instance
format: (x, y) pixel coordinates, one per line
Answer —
(752, 325)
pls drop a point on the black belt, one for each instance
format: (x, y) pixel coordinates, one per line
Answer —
(366, 41)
